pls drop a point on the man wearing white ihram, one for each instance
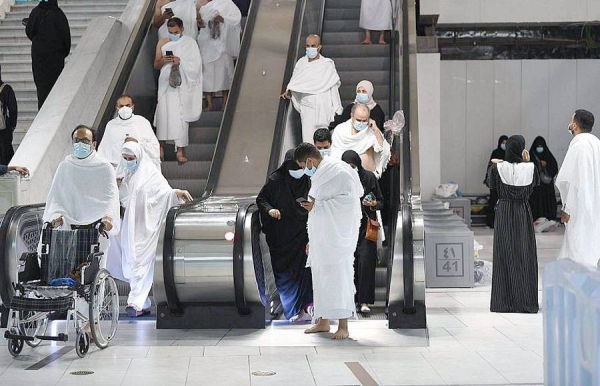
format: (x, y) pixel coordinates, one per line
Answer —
(182, 9)
(314, 89)
(179, 88)
(333, 225)
(578, 182)
(127, 124)
(375, 15)
(219, 42)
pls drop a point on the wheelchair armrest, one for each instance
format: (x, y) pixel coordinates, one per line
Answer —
(91, 256)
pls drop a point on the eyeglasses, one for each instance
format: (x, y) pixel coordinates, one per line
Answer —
(82, 140)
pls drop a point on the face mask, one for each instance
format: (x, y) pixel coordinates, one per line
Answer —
(360, 126)
(125, 112)
(503, 146)
(325, 152)
(362, 98)
(130, 165)
(570, 129)
(310, 172)
(539, 150)
(81, 150)
(355, 168)
(297, 174)
(312, 52)
(174, 37)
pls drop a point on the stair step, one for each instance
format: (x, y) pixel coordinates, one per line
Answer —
(344, 4)
(195, 152)
(354, 50)
(373, 63)
(196, 187)
(209, 118)
(22, 126)
(204, 134)
(21, 38)
(342, 26)
(23, 13)
(16, 22)
(349, 14)
(345, 38)
(189, 170)
(376, 77)
(76, 5)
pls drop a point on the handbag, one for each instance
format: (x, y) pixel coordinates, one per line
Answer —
(373, 226)
(175, 77)
(545, 177)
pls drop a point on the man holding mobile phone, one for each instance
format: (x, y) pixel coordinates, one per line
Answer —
(168, 9)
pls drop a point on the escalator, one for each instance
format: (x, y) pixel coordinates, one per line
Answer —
(212, 266)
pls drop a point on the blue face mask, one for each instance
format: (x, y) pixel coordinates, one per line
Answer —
(325, 152)
(539, 149)
(130, 165)
(310, 172)
(503, 146)
(81, 150)
(362, 98)
(360, 126)
(174, 37)
(297, 174)
(312, 52)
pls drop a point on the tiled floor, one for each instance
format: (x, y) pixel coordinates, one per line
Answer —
(464, 345)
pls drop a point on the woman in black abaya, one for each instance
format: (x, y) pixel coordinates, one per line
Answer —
(543, 199)
(48, 30)
(498, 153)
(365, 257)
(515, 273)
(284, 225)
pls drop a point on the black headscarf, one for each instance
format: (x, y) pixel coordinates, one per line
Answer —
(48, 4)
(546, 155)
(352, 157)
(498, 153)
(514, 149)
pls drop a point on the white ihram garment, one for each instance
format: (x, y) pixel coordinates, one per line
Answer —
(218, 54)
(344, 139)
(178, 106)
(184, 10)
(315, 94)
(136, 127)
(376, 15)
(579, 184)
(146, 197)
(333, 226)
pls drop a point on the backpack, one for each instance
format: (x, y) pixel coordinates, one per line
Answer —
(3, 110)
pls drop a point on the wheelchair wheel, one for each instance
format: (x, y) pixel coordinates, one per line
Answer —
(82, 343)
(104, 308)
(15, 346)
(33, 324)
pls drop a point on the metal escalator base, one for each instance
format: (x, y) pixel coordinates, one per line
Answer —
(210, 316)
(416, 318)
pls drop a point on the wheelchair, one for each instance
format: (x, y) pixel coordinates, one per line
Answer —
(69, 280)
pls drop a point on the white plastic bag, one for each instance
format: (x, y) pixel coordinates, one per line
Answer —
(446, 190)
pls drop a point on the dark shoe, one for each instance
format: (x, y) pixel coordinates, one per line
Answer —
(133, 313)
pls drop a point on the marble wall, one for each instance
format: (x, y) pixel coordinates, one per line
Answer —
(481, 100)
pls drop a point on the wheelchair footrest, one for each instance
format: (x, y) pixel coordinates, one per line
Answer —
(8, 335)
(60, 337)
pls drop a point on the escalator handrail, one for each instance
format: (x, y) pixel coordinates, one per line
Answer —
(172, 298)
(125, 66)
(11, 215)
(238, 258)
(292, 58)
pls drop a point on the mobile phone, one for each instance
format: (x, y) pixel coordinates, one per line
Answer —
(169, 53)
(301, 200)
(168, 10)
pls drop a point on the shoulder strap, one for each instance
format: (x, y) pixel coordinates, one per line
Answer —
(2, 87)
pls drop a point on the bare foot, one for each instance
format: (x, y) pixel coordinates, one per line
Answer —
(209, 108)
(181, 158)
(322, 326)
(341, 334)
(382, 41)
(162, 153)
(366, 42)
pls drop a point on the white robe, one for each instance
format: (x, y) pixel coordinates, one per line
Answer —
(83, 191)
(218, 54)
(146, 197)
(579, 184)
(315, 94)
(344, 139)
(178, 106)
(118, 129)
(376, 15)
(186, 11)
(333, 226)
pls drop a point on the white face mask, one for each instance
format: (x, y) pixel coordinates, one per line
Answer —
(125, 112)
(312, 52)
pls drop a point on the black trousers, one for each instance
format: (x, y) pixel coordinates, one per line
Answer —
(6, 147)
(365, 263)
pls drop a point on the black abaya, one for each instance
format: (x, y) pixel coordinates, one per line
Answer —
(48, 30)
(365, 257)
(543, 199)
(498, 153)
(515, 273)
(287, 237)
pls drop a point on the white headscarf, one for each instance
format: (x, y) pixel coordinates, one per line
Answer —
(368, 86)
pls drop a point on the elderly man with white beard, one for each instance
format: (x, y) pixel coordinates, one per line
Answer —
(314, 89)
(127, 124)
(179, 87)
